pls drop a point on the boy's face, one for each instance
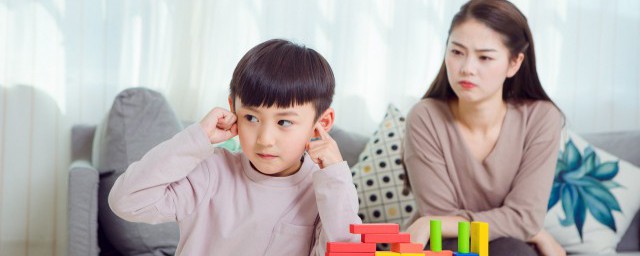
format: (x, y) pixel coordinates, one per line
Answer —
(274, 139)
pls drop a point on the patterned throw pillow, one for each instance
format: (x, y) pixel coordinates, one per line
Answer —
(379, 175)
(594, 198)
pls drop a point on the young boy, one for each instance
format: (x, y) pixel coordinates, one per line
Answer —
(284, 194)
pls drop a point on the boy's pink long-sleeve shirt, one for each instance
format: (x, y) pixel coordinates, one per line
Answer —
(225, 207)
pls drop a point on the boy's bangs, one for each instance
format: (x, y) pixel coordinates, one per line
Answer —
(281, 74)
(281, 90)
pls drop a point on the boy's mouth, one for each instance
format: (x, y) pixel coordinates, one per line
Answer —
(266, 156)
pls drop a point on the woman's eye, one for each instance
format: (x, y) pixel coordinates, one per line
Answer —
(251, 118)
(284, 123)
(485, 58)
(456, 52)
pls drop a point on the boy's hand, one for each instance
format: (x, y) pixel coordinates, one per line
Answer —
(324, 151)
(219, 125)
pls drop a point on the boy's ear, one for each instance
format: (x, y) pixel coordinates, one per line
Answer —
(231, 105)
(326, 120)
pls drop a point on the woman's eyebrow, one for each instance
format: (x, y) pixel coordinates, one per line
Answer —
(478, 50)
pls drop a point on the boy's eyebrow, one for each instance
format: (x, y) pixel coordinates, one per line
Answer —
(287, 113)
(479, 50)
(283, 113)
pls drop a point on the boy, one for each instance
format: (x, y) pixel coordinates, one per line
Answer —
(282, 195)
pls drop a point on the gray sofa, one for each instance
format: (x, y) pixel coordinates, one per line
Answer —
(85, 234)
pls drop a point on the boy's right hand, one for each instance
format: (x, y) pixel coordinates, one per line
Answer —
(219, 125)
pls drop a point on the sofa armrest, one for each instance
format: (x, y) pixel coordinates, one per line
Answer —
(83, 209)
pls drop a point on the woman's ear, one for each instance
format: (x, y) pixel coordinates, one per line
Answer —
(514, 65)
(326, 120)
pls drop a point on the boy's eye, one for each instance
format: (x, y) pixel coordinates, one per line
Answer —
(284, 123)
(485, 58)
(251, 118)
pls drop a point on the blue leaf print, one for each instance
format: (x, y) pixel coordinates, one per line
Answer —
(611, 184)
(580, 214)
(555, 195)
(599, 210)
(605, 171)
(582, 183)
(602, 194)
(572, 156)
(569, 197)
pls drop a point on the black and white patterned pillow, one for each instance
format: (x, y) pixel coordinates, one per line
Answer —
(379, 175)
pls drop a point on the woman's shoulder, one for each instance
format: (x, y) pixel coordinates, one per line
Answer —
(538, 109)
(539, 115)
(428, 107)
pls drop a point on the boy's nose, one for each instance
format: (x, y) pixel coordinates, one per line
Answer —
(265, 138)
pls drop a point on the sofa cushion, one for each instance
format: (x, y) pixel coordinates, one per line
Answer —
(350, 144)
(379, 176)
(624, 145)
(138, 120)
(594, 197)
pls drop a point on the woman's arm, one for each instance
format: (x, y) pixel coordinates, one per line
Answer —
(547, 244)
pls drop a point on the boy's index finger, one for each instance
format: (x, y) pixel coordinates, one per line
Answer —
(324, 135)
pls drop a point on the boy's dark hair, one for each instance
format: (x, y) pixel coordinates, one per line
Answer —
(281, 73)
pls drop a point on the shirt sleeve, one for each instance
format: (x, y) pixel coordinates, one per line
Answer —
(337, 202)
(524, 209)
(168, 182)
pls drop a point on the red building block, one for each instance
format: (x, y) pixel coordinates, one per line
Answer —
(377, 228)
(386, 238)
(406, 247)
(350, 247)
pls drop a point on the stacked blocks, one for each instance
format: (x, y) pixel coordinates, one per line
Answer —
(480, 238)
(371, 234)
(463, 240)
(435, 240)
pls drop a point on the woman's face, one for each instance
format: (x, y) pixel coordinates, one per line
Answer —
(478, 62)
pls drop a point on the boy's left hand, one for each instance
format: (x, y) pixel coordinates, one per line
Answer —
(324, 151)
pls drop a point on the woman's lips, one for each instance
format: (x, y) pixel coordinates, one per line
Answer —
(467, 85)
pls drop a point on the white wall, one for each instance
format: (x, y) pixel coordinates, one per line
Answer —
(63, 61)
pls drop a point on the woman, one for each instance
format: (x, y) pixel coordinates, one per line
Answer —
(483, 142)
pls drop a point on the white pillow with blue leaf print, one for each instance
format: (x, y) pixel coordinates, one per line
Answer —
(593, 199)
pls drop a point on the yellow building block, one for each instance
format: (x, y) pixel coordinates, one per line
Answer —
(480, 238)
(385, 253)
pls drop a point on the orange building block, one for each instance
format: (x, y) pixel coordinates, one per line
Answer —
(386, 238)
(374, 228)
(350, 247)
(407, 247)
